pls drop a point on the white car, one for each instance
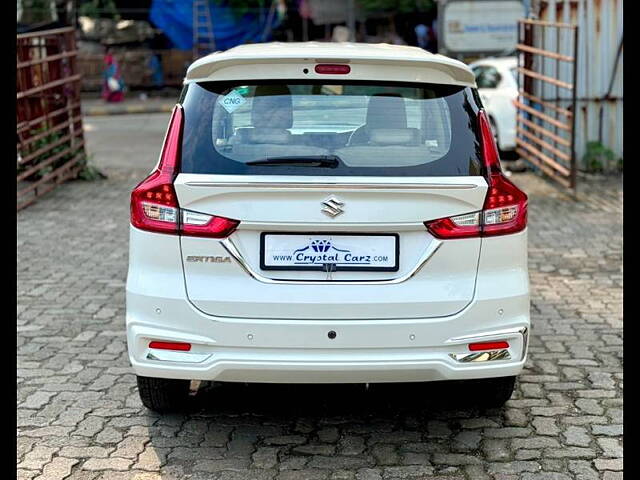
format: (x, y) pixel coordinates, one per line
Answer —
(327, 213)
(496, 79)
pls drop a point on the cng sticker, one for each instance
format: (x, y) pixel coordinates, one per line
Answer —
(232, 101)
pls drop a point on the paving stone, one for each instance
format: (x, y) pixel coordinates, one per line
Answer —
(329, 435)
(612, 476)
(455, 459)
(570, 452)
(89, 426)
(467, 440)
(37, 400)
(351, 445)
(314, 449)
(37, 458)
(369, 474)
(265, 457)
(58, 469)
(152, 458)
(385, 454)
(515, 467)
(546, 426)
(611, 447)
(343, 475)
(608, 464)
(107, 464)
(286, 440)
(577, 436)
(409, 471)
(496, 450)
(213, 466)
(311, 474)
(608, 430)
(85, 452)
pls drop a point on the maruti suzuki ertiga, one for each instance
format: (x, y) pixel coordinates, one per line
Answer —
(327, 213)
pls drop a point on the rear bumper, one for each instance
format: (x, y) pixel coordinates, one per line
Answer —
(288, 351)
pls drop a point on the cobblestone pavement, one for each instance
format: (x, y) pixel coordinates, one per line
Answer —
(79, 415)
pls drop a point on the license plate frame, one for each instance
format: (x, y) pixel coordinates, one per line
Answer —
(339, 267)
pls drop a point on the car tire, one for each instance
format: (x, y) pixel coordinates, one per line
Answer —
(163, 394)
(493, 392)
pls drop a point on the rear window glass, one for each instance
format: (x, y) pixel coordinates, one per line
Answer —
(289, 128)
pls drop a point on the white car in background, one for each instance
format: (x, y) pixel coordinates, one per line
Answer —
(496, 79)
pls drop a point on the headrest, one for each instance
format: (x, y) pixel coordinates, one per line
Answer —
(386, 111)
(272, 107)
(278, 136)
(394, 136)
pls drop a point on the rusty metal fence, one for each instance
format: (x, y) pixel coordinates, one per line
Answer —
(546, 105)
(50, 142)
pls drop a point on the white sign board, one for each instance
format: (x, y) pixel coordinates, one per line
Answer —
(481, 26)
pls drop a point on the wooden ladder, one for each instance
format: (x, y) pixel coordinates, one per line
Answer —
(203, 40)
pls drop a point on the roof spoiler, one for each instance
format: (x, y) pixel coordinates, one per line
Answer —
(207, 67)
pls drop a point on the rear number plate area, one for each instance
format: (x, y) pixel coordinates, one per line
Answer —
(373, 252)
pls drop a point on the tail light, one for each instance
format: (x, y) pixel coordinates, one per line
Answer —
(505, 206)
(154, 204)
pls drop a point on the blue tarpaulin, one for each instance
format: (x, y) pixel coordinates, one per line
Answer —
(175, 19)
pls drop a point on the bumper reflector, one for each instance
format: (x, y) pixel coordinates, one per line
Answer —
(184, 347)
(475, 347)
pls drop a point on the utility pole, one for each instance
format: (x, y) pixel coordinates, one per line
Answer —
(351, 20)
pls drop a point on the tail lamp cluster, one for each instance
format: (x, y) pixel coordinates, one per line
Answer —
(505, 206)
(154, 204)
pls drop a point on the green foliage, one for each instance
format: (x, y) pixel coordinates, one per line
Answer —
(36, 11)
(90, 172)
(599, 158)
(39, 144)
(99, 9)
(396, 6)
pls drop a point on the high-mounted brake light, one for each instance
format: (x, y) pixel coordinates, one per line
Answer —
(154, 204)
(332, 69)
(505, 206)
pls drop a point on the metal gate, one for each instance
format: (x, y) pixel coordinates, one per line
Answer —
(50, 140)
(546, 106)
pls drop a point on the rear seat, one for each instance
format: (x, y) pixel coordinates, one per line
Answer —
(400, 147)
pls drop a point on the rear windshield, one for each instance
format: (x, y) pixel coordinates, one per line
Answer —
(318, 128)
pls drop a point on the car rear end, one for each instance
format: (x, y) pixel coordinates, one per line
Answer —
(327, 226)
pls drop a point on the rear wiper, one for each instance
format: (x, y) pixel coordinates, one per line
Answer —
(331, 161)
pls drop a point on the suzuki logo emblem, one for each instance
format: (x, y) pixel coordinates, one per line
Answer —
(332, 206)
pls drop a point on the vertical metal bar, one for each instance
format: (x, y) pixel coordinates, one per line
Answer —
(574, 81)
(519, 82)
(557, 102)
